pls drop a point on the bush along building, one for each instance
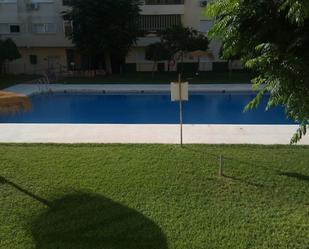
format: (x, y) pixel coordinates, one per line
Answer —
(41, 33)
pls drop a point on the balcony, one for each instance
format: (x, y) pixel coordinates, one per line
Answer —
(155, 23)
(163, 7)
(163, 2)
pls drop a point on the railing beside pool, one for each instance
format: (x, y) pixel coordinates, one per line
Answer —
(42, 83)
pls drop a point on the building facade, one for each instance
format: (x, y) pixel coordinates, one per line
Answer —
(157, 15)
(40, 32)
(37, 27)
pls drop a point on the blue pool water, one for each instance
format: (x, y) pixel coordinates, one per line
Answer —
(202, 108)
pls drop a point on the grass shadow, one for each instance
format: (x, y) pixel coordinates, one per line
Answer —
(215, 157)
(3, 181)
(89, 221)
(243, 181)
(297, 176)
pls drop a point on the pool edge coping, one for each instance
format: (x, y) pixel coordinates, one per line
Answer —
(148, 134)
(34, 89)
(30, 136)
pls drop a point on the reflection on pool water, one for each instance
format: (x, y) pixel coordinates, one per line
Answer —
(202, 108)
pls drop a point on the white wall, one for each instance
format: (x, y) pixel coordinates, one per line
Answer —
(193, 13)
(177, 9)
(46, 58)
(48, 12)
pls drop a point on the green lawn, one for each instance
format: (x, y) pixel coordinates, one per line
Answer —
(10, 80)
(153, 197)
(163, 78)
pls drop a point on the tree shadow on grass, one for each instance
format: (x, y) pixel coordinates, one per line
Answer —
(3, 181)
(243, 181)
(215, 158)
(89, 221)
(298, 176)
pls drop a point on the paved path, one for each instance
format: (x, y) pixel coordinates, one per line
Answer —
(162, 134)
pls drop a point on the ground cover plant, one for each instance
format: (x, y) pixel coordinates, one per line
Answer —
(153, 196)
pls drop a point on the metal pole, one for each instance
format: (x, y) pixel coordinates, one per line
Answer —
(221, 165)
(180, 108)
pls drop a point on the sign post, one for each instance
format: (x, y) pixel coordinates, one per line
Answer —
(180, 92)
(180, 109)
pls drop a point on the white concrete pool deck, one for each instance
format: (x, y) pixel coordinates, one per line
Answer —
(29, 89)
(160, 134)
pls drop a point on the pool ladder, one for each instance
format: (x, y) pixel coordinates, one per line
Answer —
(43, 84)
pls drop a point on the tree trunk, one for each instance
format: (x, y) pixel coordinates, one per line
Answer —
(108, 63)
(1, 67)
(230, 68)
(153, 68)
(182, 59)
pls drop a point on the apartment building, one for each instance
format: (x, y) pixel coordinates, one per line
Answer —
(38, 28)
(158, 15)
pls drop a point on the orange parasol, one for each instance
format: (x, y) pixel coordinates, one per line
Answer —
(201, 53)
(13, 103)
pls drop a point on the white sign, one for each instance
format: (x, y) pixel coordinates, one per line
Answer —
(182, 88)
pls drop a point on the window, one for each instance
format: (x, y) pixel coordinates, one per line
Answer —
(67, 25)
(67, 2)
(33, 59)
(163, 2)
(41, 28)
(68, 28)
(7, 1)
(41, 1)
(14, 28)
(6, 28)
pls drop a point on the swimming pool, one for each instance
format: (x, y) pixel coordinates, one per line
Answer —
(145, 108)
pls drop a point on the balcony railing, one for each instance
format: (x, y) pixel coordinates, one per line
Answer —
(154, 23)
(163, 2)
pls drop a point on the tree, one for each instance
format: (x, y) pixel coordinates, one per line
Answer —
(105, 29)
(182, 40)
(230, 59)
(157, 52)
(272, 38)
(8, 52)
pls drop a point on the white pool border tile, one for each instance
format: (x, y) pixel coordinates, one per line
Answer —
(158, 134)
(30, 89)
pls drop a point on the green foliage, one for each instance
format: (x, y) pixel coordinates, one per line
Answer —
(175, 40)
(8, 51)
(153, 197)
(184, 39)
(157, 52)
(109, 26)
(271, 38)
